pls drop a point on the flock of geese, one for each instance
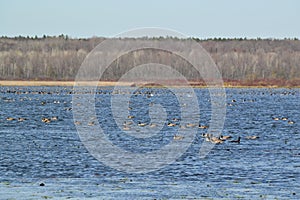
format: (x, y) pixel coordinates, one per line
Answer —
(44, 119)
(127, 124)
(207, 136)
(219, 140)
(284, 119)
(222, 138)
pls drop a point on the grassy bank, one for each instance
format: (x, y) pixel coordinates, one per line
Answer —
(113, 83)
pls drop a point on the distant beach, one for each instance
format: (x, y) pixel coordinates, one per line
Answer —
(114, 83)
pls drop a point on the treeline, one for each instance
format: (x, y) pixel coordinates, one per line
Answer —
(239, 59)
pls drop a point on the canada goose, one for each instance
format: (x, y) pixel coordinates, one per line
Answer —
(92, 123)
(10, 118)
(213, 139)
(284, 118)
(54, 118)
(20, 119)
(46, 120)
(152, 125)
(150, 95)
(216, 140)
(171, 124)
(77, 122)
(190, 125)
(276, 118)
(205, 135)
(203, 126)
(236, 141)
(130, 117)
(253, 137)
(177, 137)
(225, 137)
(175, 119)
(182, 127)
(142, 124)
(127, 123)
(291, 122)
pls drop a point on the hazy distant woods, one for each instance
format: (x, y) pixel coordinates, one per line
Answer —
(59, 58)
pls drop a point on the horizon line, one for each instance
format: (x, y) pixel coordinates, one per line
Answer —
(66, 36)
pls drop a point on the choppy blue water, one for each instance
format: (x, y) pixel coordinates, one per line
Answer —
(34, 152)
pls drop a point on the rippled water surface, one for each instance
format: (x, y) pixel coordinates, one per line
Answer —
(33, 152)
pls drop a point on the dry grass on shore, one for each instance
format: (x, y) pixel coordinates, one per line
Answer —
(58, 83)
(114, 83)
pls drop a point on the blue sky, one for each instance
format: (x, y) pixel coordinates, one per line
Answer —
(198, 18)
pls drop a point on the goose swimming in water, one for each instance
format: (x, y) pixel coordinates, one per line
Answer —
(127, 123)
(54, 118)
(210, 138)
(46, 120)
(77, 122)
(177, 137)
(171, 124)
(205, 135)
(142, 124)
(175, 119)
(91, 123)
(216, 140)
(152, 125)
(225, 137)
(253, 137)
(182, 127)
(10, 119)
(190, 125)
(203, 126)
(20, 119)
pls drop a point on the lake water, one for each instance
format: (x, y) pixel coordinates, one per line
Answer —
(33, 152)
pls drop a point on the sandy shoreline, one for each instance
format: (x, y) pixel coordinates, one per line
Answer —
(60, 83)
(113, 83)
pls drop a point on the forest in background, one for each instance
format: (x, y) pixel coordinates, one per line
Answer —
(240, 61)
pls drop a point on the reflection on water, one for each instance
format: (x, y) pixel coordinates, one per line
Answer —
(34, 150)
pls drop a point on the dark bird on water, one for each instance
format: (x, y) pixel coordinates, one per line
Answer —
(237, 141)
